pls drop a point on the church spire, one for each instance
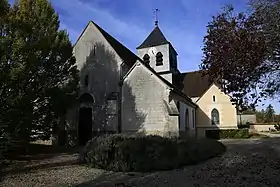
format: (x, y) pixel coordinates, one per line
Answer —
(156, 16)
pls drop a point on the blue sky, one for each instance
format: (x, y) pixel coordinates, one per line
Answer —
(183, 22)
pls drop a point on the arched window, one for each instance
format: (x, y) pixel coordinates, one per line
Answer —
(86, 81)
(187, 119)
(215, 117)
(146, 59)
(159, 60)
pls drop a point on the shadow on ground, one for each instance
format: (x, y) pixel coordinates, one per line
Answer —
(41, 151)
(246, 163)
(39, 156)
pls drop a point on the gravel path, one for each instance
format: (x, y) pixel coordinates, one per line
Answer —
(246, 163)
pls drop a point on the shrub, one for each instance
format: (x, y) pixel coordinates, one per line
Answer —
(244, 126)
(235, 133)
(147, 153)
(228, 133)
(277, 127)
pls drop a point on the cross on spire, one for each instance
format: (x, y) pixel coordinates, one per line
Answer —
(156, 16)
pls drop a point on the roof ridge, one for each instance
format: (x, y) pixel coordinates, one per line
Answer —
(195, 71)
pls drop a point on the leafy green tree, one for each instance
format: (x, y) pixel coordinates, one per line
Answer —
(242, 52)
(38, 78)
(269, 114)
(260, 115)
(4, 8)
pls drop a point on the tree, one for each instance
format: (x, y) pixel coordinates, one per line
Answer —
(4, 7)
(38, 78)
(269, 114)
(242, 52)
(260, 115)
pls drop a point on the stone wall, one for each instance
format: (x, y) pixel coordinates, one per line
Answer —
(143, 106)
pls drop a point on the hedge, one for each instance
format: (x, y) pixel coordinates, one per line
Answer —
(147, 153)
(228, 133)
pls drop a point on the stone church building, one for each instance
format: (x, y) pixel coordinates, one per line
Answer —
(141, 93)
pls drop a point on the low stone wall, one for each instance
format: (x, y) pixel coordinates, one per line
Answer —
(158, 133)
(262, 127)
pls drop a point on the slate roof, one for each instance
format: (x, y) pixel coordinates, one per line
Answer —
(155, 38)
(195, 84)
(124, 53)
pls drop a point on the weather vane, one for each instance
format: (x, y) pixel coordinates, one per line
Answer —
(156, 16)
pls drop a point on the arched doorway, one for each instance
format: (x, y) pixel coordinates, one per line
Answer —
(85, 118)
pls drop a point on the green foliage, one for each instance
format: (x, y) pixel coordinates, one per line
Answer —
(277, 127)
(267, 116)
(235, 133)
(38, 78)
(243, 126)
(260, 115)
(228, 134)
(147, 153)
(249, 44)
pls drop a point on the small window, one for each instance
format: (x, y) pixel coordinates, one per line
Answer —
(86, 81)
(146, 59)
(159, 60)
(214, 98)
(94, 50)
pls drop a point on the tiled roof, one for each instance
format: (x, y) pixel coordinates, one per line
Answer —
(195, 84)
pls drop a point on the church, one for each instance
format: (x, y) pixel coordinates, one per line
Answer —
(145, 93)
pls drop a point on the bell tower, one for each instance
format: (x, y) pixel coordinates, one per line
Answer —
(159, 53)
